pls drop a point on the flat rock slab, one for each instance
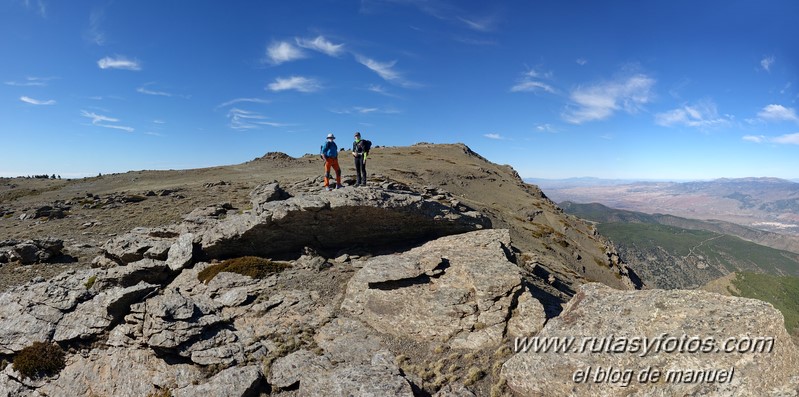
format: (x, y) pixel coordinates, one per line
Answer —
(612, 325)
(458, 289)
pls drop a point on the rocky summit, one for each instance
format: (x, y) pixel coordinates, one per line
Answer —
(449, 278)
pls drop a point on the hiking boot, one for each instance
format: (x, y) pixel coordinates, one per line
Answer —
(338, 186)
(328, 188)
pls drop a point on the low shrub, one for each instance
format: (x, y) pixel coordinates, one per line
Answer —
(40, 359)
(251, 266)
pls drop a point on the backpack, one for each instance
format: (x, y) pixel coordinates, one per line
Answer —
(366, 144)
(329, 149)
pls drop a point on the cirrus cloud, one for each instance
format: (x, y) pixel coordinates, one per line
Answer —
(119, 62)
(36, 101)
(297, 83)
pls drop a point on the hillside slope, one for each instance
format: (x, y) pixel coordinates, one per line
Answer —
(675, 257)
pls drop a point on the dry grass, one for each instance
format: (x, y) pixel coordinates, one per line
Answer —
(251, 266)
(39, 360)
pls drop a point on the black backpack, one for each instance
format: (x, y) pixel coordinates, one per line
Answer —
(366, 145)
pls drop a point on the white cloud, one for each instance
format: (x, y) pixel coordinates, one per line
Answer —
(365, 110)
(581, 61)
(151, 92)
(36, 101)
(282, 51)
(766, 63)
(298, 83)
(792, 139)
(600, 101)
(30, 82)
(101, 120)
(532, 86)
(119, 62)
(545, 128)
(239, 100)
(494, 136)
(159, 122)
(531, 82)
(787, 139)
(241, 119)
(778, 113)
(701, 115)
(385, 70)
(754, 138)
(322, 45)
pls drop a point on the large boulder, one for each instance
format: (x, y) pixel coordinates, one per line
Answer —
(31, 312)
(457, 289)
(612, 343)
(331, 221)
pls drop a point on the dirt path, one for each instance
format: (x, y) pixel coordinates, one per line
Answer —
(691, 251)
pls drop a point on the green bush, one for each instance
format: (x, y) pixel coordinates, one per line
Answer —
(88, 284)
(251, 266)
(40, 359)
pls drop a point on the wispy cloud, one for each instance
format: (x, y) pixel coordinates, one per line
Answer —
(531, 81)
(546, 128)
(94, 33)
(494, 136)
(385, 70)
(787, 139)
(297, 83)
(778, 113)
(581, 61)
(30, 82)
(366, 110)
(766, 63)
(701, 115)
(322, 45)
(792, 139)
(143, 90)
(240, 100)
(379, 89)
(241, 119)
(602, 100)
(119, 62)
(36, 101)
(102, 121)
(754, 138)
(38, 5)
(532, 86)
(484, 24)
(283, 51)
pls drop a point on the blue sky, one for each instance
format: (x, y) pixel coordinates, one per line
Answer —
(611, 89)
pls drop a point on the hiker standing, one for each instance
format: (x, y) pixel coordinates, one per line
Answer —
(330, 155)
(360, 151)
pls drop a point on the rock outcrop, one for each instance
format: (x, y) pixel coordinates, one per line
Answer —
(342, 218)
(31, 251)
(687, 334)
(458, 289)
(433, 318)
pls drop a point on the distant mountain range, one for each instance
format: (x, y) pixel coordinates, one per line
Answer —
(673, 252)
(769, 204)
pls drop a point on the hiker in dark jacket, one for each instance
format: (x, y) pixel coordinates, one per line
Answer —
(360, 153)
(329, 153)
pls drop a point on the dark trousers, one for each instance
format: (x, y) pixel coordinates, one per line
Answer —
(360, 171)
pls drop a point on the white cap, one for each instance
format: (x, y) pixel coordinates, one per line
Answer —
(330, 136)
